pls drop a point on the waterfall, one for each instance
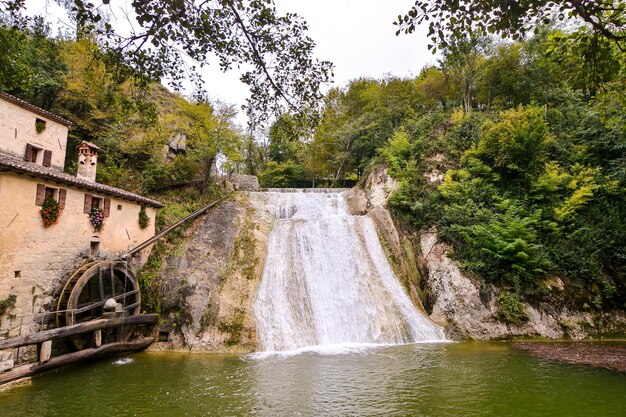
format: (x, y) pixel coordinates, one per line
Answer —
(327, 280)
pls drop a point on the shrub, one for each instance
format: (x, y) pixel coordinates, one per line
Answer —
(144, 220)
(512, 308)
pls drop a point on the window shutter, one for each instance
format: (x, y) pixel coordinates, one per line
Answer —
(62, 195)
(47, 158)
(87, 207)
(41, 194)
(107, 207)
(29, 152)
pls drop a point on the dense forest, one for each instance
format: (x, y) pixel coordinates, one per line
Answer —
(514, 150)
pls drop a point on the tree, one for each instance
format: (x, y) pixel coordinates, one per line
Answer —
(516, 145)
(30, 67)
(273, 51)
(209, 133)
(449, 19)
(604, 23)
(284, 136)
(462, 61)
(433, 87)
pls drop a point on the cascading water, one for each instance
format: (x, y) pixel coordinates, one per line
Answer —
(327, 280)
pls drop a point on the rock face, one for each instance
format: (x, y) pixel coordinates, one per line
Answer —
(210, 286)
(471, 312)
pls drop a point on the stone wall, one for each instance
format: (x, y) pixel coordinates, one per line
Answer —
(245, 182)
(17, 128)
(35, 261)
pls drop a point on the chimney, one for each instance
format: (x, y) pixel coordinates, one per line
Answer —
(87, 161)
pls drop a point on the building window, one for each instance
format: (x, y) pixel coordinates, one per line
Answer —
(94, 248)
(57, 194)
(52, 193)
(92, 201)
(17, 274)
(40, 125)
(33, 153)
(119, 207)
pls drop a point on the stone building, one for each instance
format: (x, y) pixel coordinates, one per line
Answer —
(34, 259)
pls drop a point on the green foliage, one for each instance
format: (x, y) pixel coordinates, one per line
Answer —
(516, 145)
(287, 174)
(150, 282)
(143, 218)
(274, 49)
(397, 153)
(234, 327)
(501, 245)
(30, 67)
(512, 308)
(7, 304)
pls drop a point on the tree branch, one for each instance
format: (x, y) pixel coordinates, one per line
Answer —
(259, 59)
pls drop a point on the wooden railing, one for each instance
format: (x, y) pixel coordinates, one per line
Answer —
(44, 339)
(166, 231)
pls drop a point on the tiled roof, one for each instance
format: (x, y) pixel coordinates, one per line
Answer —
(12, 163)
(91, 145)
(26, 105)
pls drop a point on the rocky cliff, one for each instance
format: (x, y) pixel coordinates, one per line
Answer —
(211, 280)
(464, 306)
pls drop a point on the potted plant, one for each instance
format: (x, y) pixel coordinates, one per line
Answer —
(50, 212)
(96, 218)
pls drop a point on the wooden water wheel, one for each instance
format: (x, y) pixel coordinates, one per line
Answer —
(85, 292)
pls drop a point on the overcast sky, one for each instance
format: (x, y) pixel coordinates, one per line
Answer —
(358, 36)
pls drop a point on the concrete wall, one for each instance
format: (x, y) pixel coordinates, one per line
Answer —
(35, 261)
(17, 128)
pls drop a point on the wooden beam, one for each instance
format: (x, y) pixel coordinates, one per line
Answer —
(97, 338)
(45, 351)
(87, 307)
(71, 358)
(89, 326)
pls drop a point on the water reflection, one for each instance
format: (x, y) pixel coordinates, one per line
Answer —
(489, 380)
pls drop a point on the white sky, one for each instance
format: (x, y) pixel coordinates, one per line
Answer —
(358, 36)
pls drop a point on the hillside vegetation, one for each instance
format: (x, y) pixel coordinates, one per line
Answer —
(514, 151)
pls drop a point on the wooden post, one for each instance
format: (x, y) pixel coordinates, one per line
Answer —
(97, 338)
(101, 281)
(45, 351)
(112, 276)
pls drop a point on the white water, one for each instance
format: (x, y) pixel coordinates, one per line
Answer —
(327, 280)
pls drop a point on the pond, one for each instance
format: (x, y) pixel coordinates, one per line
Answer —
(450, 379)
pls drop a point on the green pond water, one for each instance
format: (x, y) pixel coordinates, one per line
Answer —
(459, 379)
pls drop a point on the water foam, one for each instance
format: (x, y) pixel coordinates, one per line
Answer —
(327, 284)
